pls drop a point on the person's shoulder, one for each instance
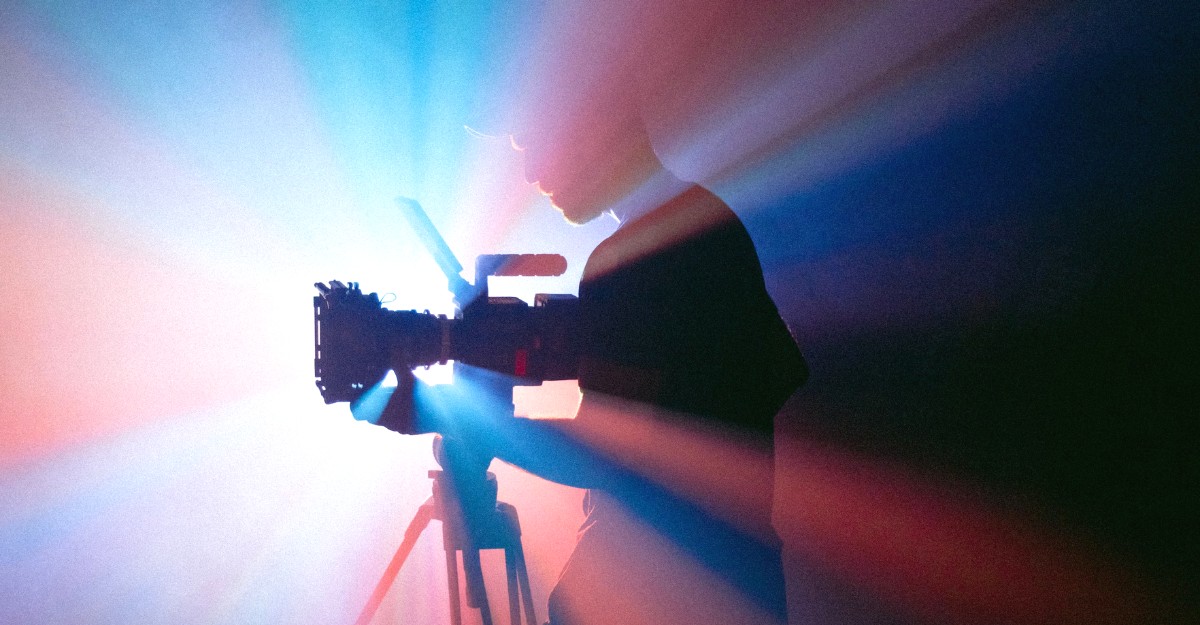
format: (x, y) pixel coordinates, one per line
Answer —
(686, 218)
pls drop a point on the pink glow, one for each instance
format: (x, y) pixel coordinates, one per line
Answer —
(944, 552)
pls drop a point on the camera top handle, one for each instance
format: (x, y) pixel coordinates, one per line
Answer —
(485, 265)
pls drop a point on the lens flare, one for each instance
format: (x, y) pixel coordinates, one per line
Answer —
(976, 216)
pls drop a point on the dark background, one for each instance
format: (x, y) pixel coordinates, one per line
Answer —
(1010, 303)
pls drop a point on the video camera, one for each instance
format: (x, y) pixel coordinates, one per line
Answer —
(357, 341)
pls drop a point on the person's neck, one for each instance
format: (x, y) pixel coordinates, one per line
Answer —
(659, 188)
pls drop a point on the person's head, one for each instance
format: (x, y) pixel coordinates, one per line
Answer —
(577, 113)
(589, 160)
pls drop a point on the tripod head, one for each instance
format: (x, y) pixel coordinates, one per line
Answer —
(464, 491)
(464, 500)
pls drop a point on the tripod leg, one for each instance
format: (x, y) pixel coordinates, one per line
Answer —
(523, 578)
(452, 585)
(514, 600)
(476, 591)
(418, 524)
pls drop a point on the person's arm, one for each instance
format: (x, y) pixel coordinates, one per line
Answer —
(555, 449)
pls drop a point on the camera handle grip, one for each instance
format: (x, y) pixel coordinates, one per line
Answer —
(398, 411)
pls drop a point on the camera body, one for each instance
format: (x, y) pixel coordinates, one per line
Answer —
(357, 340)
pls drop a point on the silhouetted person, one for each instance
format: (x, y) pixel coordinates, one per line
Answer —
(677, 326)
(684, 363)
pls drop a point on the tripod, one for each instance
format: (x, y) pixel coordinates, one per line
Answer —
(464, 500)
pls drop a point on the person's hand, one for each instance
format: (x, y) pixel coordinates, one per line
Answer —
(399, 413)
(392, 408)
